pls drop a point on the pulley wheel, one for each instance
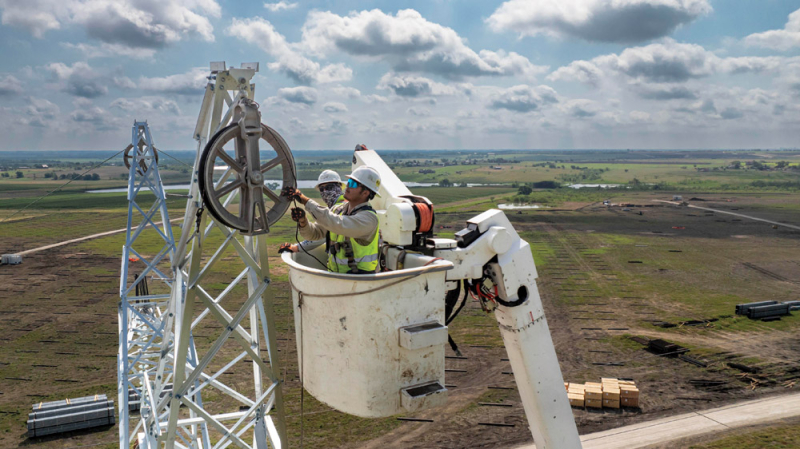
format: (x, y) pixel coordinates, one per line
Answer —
(128, 157)
(220, 152)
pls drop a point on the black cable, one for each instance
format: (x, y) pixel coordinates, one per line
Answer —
(61, 187)
(450, 315)
(297, 223)
(176, 159)
(297, 238)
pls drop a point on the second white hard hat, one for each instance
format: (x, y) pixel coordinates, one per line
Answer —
(327, 176)
(367, 177)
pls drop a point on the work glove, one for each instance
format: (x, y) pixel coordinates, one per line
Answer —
(285, 248)
(299, 215)
(293, 194)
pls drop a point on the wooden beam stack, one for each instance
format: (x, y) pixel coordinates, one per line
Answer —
(608, 393)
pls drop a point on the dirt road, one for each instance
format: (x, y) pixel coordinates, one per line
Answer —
(675, 428)
(80, 239)
(749, 217)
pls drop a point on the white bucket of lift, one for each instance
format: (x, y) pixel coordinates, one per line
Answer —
(371, 345)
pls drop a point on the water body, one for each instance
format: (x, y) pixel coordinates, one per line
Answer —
(594, 186)
(302, 184)
(519, 206)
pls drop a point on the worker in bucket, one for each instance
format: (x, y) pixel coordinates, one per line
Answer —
(329, 185)
(350, 229)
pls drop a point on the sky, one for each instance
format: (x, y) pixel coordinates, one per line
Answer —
(433, 74)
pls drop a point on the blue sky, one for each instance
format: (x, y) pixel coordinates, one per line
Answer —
(436, 74)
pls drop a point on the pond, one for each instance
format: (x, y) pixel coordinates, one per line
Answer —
(519, 206)
(594, 186)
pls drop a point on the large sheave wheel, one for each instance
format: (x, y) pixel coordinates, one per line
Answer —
(258, 203)
(128, 157)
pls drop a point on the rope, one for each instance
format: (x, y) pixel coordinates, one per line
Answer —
(61, 187)
(302, 373)
(432, 261)
(425, 216)
(348, 294)
(174, 158)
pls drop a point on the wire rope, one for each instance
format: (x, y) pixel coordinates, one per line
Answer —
(61, 187)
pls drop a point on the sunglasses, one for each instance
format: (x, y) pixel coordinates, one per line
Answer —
(352, 184)
(326, 187)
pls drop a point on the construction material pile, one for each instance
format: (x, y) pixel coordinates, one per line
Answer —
(609, 393)
(766, 310)
(70, 414)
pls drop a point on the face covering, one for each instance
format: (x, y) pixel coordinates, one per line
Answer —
(331, 194)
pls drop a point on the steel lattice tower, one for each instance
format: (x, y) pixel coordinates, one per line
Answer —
(237, 320)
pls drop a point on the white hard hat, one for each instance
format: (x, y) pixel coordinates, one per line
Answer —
(326, 177)
(367, 177)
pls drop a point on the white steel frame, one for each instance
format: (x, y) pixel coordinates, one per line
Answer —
(141, 317)
(258, 421)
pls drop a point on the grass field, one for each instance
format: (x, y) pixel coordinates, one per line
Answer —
(605, 275)
(786, 436)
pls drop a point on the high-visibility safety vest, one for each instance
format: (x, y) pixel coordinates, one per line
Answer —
(346, 255)
(339, 200)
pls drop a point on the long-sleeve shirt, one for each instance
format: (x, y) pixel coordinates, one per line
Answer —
(360, 226)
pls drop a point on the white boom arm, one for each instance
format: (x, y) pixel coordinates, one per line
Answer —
(490, 246)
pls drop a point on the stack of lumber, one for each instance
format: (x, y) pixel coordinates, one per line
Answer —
(576, 394)
(609, 393)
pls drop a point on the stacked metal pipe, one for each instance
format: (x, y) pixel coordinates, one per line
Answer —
(70, 414)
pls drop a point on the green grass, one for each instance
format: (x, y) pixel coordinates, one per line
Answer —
(785, 436)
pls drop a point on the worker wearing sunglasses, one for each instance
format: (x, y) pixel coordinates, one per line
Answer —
(350, 229)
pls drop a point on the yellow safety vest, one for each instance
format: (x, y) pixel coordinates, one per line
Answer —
(346, 255)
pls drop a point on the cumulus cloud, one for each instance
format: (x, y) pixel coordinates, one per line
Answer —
(79, 79)
(706, 107)
(300, 94)
(639, 116)
(622, 21)
(375, 99)
(523, 98)
(131, 23)
(9, 85)
(123, 82)
(188, 83)
(665, 92)
(333, 107)
(731, 113)
(582, 71)
(145, 104)
(37, 112)
(414, 86)
(86, 112)
(343, 91)
(106, 50)
(419, 112)
(408, 42)
(664, 62)
(785, 39)
(275, 7)
(291, 63)
(581, 108)
(36, 16)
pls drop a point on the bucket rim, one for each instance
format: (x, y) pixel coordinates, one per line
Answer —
(439, 265)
